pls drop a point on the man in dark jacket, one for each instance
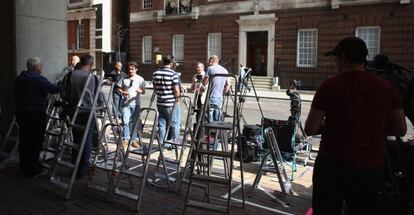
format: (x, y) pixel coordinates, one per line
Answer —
(31, 103)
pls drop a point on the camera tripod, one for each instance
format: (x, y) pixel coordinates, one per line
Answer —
(243, 88)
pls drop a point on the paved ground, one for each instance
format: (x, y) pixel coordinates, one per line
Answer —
(37, 196)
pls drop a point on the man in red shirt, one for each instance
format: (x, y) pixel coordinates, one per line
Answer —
(354, 111)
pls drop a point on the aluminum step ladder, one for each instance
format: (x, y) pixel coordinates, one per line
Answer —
(104, 159)
(226, 132)
(138, 171)
(178, 145)
(57, 125)
(273, 162)
(9, 153)
(60, 162)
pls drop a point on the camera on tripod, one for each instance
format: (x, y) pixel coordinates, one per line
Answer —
(199, 77)
(295, 100)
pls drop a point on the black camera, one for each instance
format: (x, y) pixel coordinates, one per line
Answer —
(199, 78)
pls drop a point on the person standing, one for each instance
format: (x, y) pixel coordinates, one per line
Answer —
(198, 88)
(167, 87)
(131, 88)
(75, 82)
(31, 90)
(219, 87)
(354, 111)
(116, 76)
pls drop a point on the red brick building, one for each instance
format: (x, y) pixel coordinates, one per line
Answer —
(283, 39)
(92, 26)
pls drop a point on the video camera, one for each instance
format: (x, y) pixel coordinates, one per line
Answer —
(198, 78)
(295, 100)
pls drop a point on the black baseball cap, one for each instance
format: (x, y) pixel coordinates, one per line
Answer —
(350, 46)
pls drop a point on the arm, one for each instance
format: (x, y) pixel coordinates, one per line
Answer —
(141, 89)
(315, 121)
(177, 92)
(226, 86)
(49, 87)
(397, 125)
(205, 80)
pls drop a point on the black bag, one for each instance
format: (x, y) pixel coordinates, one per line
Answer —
(251, 131)
(250, 150)
(283, 130)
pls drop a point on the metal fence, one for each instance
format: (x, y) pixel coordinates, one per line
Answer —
(308, 78)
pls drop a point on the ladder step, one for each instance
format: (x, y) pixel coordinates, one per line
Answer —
(219, 125)
(53, 133)
(194, 183)
(80, 127)
(214, 153)
(66, 164)
(211, 179)
(71, 145)
(172, 143)
(13, 138)
(126, 194)
(205, 205)
(59, 183)
(131, 173)
(170, 160)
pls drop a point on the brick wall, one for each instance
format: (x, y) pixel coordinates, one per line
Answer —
(395, 20)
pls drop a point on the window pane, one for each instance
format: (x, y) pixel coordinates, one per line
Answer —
(214, 45)
(178, 47)
(371, 36)
(146, 49)
(307, 45)
(147, 4)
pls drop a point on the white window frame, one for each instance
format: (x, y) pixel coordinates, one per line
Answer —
(80, 36)
(178, 47)
(146, 4)
(214, 48)
(299, 54)
(372, 51)
(147, 49)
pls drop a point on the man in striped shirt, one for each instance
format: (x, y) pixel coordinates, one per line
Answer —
(167, 86)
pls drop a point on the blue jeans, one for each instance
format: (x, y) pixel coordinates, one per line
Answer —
(215, 114)
(129, 115)
(163, 119)
(117, 105)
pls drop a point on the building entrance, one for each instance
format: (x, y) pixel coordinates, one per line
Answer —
(257, 52)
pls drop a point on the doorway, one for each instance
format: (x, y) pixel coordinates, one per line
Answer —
(257, 52)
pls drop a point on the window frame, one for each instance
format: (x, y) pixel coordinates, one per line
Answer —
(145, 48)
(80, 36)
(370, 56)
(151, 3)
(209, 50)
(174, 51)
(298, 48)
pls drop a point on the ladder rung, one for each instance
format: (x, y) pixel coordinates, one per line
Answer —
(59, 183)
(214, 153)
(219, 125)
(13, 138)
(131, 173)
(71, 145)
(49, 149)
(206, 205)
(140, 151)
(172, 143)
(211, 179)
(66, 164)
(54, 117)
(169, 160)
(194, 183)
(76, 126)
(126, 194)
(52, 133)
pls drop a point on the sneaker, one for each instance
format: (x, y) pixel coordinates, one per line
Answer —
(135, 144)
(41, 173)
(125, 143)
